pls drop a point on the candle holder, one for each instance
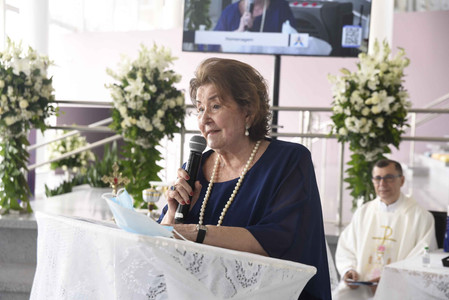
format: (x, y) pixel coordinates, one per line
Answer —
(153, 195)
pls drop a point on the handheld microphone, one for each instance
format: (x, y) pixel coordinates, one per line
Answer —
(250, 8)
(197, 145)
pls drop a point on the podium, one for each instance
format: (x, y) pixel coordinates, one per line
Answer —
(81, 258)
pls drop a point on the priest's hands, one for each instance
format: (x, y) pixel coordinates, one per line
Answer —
(350, 276)
(374, 287)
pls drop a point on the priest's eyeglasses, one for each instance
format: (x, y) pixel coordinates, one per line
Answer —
(387, 178)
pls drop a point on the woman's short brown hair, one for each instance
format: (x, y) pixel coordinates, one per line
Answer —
(243, 83)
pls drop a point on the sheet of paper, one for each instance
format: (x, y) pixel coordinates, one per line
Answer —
(132, 221)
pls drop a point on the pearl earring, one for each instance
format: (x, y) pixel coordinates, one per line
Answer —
(246, 130)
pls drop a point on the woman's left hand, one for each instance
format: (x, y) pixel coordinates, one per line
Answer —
(246, 21)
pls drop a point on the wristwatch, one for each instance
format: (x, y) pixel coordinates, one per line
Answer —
(202, 229)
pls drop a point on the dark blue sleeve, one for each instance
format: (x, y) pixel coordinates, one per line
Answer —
(229, 19)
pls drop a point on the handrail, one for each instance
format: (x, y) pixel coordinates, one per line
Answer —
(437, 101)
(84, 103)
(76, 130)
(426, 119)
(76, 151)
(83, 128)
(328, 109)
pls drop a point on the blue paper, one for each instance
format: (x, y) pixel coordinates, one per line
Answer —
(124, 199)
(129, 220)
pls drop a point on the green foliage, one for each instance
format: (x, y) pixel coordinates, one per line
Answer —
(95, 171)
(13, 184)
(26, 94)
(102, 167)
(197, 13)
(140, 166)
(64, 187)
(369, 112)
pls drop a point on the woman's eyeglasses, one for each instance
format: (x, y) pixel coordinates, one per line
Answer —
(387, 178)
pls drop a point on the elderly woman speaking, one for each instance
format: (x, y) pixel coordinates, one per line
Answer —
(253, 193)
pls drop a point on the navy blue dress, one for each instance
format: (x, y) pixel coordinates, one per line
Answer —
(277, 13)
(279, 203)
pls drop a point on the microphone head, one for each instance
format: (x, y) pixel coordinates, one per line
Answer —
(197, 143)
(250, 3)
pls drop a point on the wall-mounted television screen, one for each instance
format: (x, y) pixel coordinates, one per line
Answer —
(285, 27)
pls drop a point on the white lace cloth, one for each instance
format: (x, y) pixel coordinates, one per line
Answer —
(78, 259)
(409, 279)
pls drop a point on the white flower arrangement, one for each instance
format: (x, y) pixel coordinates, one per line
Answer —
(74, 163)
(26, 96)
(369, 111)
(147, 108)
(26, 90)
(147, 105)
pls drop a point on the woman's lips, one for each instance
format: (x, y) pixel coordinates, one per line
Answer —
(211, 132)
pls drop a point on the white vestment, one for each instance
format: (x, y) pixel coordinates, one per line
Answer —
(376, 237)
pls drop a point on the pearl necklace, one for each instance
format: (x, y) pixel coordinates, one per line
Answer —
(236, 188)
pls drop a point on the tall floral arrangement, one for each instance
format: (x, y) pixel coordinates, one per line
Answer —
(369, 112)
(147, 107)
(26, 94)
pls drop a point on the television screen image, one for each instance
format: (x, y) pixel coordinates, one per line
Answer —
(284, 27)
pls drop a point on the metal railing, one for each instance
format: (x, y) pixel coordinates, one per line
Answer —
(305, 133)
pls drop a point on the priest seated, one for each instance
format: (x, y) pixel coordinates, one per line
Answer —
(390, 228)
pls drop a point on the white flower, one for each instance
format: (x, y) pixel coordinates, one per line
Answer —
(135, 87)
(375, 109)
(356, 100)
(337, 109)
(21, 65)
(144, 123)
(2, 84)
(10, 120)
(23, 104)
(365, 111)
(144, 98)
(384, 101)
(375, 98)
(123, 111)
(396, 106)
(171, 103)
(180, 101)
(156, 122)
(153, 88)
(379, 122)
(342, 131)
